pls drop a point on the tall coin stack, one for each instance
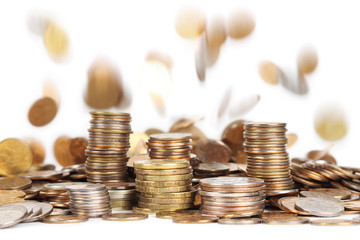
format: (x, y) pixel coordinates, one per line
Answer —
(265, 146)
(122, 195)
(109, 141)
(163, 185)
(170, 146)
(91, 200)
(236, 196)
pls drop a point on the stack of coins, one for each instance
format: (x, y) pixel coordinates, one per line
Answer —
(91, 200)
(265, 146)
(170, 146)
(232, 196)
(109, 141)
(163, 185)
(56, 194)
(122, 196)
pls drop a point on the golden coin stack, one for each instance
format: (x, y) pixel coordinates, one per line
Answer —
(170, 146)
(91, 200)
(56, 194)
(163, 185)
(109, 141)
(232, 196)
(265, 146)
(122, 196)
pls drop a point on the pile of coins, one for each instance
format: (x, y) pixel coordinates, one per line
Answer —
(91, 200)
(163, 185)
(122, 195)
(232, 196)
(265, 146)
(109, 141)
(170, 146)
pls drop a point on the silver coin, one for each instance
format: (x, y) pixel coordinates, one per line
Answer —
(319, 207)
(46, 209)
(11, 215)
(229, 195)
(240, 221)
(319, 195)
(232, 182)
(32, 207)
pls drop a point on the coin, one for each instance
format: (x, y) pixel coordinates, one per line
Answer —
(232, 182)
(269, 72)
(42, 175)
(319, 207)
(46, 210)
(190, 22)
(321, 155)
(291, 220)
(240, 24)
(15, 157)
(182, 177)
(178, 213)
(64, 219)
(212, 151)
(334, 192)
(11, 215)
(161, 164)
(307, 60)
(12, 194)
(200, 57)
(334, 222)
(125, 217)
(60, 212)
(352, 205)
(55, 39)
(178, 171)
(288, 204)
(42, 111)
(15, 183)
(319, 195)
(138, 143)
(169, 195)
(195, 219)
(37, 149)
(240, 221)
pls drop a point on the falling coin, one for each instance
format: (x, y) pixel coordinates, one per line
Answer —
(55, 39)
(212, 151)
(37, 149)
(50, 91)
(42, 111)
(321, 155)
(243, 106)
(216, 32)
(240, 24)
(138, 143)
(269, 72)
(200, 57)
(331, 123)
(190, 22)
(307, 60)
(224, 104)
(70, 151)
(292, 139)
(15, 157)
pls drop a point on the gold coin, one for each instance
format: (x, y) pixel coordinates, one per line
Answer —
(334, 222)
(188, 194)
(307, 60)
(195, 219)
(165, 200)
(162, 164)
(163, 171)
(12, 194)
(62, 219)
(331, 123)
(177, 213)
(42, 111)
(145, 210)
(163, 189)
(55, 39)
(15, 183)
(216, 32)
(240, 24)
(125, 217)
(190, 22)
(10, 200)
(151, 131)
(160, 184)
(290, 220)
(292, 139)
(37, 149)
(15, 157)
(269, 72)
(167, 207)
(182, 177)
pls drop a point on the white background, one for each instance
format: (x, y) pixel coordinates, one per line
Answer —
(125, 31)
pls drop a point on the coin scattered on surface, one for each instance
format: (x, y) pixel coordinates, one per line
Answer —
(42, 112)
(125, 217)
(334, 222)
(331, 123)
(307, 60)
(319, 207)
(46, 209)
(240, 24)
(15, 157)
(11, 215)
(190, 22)
(14, 183)
(291, 220)
(55, 39)
(195, 219)
(64, 219)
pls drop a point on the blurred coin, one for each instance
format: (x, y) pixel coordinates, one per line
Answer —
(334, 192)
(138, 143)
(331, 123)
(352, 205)
(37, 149)
(243, 106)
(307, 60)
(334, 222)
(292, 220)
(11, 215)
(190, 22)
(42, 175)
(240, 221)
(292, 139)
(160, 57)
(293, 81)
(15, 157)
(240, 24)
(224, 104)
(212, 151)
(125, 217)
(178, 213)
(200, 57)
(158, 102)
(151, 131)
(195, 219)
(42, 111)
(269, 72)
(62, 219)
(42, 167)
(55, 39)
(15, 183)
(50, 91)
(215, 31)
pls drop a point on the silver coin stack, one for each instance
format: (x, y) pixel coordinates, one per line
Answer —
(265, 147)
(91, 200)
(236, 196)
(109, 142)
(122, 196)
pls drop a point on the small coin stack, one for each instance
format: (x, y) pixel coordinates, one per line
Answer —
(163, 185)
(109, 141)
(170, 146)
(122, 195)
(56, 194)
(265, 146)
(91, 200)
(232, 196)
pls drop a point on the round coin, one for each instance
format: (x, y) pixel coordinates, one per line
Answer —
(63, 219)
(240, 221)
(125, 217)
(11, 215)
(334, 222)
(319, 207)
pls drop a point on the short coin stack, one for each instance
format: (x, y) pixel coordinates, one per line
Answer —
(163, 185)
(265, 146)
(91, 200)
(122, 195)
(109, 141)
(232, 196)
(170, 146)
